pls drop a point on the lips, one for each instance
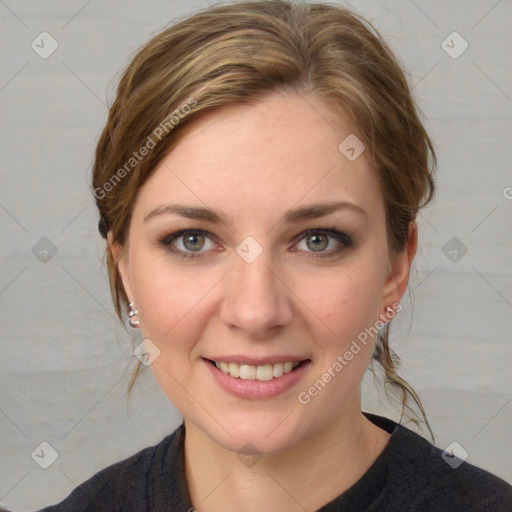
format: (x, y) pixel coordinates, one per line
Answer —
(257, 381)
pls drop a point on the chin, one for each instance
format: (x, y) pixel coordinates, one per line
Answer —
(256, 433)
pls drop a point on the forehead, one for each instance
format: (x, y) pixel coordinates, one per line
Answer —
(262, 157)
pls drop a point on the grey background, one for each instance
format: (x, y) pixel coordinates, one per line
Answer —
(65, 359)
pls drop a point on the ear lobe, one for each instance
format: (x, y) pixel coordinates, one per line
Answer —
(121, 260)
(399, 270)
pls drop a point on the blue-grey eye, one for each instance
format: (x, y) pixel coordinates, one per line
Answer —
(317, 241)
(193, 242)
(188, 241)
(324, 241)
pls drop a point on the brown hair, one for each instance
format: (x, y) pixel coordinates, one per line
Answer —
(237, 53)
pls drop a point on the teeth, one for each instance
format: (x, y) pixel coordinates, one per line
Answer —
(248, 372)
(234, 369)
(263, 372)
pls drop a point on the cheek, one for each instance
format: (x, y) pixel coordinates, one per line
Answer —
(346, 301)
(169, 297)
(171, 302)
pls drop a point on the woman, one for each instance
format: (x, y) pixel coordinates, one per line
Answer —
(258, 182)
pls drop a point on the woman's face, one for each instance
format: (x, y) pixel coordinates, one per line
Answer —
(254, 288)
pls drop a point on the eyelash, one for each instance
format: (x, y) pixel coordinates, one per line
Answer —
(344, 239)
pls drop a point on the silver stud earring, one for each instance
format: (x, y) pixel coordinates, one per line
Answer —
(131, 313)
(390, 314)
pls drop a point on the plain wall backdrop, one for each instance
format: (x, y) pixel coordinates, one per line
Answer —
(66, 361)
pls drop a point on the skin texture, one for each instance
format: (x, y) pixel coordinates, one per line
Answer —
(253, 163)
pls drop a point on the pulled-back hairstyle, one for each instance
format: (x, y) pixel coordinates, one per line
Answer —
(237, 53)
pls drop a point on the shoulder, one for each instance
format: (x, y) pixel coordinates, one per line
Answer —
(123, 485)
(428, 478)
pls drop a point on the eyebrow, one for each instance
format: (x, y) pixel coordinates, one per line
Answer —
(311, 211)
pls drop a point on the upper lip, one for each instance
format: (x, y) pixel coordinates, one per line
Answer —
(256, 361)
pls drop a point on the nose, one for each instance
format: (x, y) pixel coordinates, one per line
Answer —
(257, 300)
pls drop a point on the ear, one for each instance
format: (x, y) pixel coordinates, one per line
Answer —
(120, 256)
(398, 270)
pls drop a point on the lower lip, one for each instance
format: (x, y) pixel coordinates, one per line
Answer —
(258, 389)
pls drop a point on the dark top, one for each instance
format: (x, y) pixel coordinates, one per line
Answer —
(409, 475)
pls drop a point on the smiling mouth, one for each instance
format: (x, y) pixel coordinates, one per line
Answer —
(264, 372)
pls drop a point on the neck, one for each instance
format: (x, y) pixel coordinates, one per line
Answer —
(306, 477)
